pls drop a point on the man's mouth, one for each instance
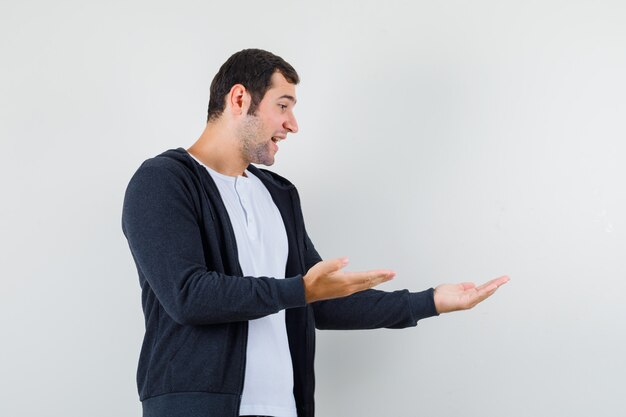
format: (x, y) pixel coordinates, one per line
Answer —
(275, 141)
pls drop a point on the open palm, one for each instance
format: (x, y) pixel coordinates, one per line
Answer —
(453, 297)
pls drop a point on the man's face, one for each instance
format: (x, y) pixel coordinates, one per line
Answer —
(274, 118)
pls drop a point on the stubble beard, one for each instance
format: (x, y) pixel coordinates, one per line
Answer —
(253, 151)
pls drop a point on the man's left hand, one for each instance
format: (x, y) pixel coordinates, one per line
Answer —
(454, 297)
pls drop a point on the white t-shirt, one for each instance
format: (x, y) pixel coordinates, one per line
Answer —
(262, 249)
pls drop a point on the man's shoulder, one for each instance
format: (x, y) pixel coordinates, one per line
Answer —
(170, 168)
(171, 159)
(171, 162)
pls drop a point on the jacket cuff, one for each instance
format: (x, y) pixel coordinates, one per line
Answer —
(423, 304)
(292, 292)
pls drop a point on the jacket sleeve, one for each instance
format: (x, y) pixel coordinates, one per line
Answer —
(370, 309)
(163, 231)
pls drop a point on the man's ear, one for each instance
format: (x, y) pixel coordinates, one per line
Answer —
(238, 100)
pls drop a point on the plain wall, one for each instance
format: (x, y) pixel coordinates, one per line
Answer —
(450, 141)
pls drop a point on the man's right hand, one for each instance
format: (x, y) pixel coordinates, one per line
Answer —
(325, 280)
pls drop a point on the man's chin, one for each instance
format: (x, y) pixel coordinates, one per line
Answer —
(268, 161)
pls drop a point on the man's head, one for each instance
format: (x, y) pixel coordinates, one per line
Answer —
(260, 132)
(252, 68)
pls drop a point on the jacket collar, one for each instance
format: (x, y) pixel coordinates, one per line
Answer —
(268, 177)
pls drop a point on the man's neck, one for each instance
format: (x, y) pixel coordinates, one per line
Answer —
(218, 149)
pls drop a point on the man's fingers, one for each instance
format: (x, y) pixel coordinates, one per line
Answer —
(486, 290)
(494, 282)
(331, 265)
(325, 280)
(379, 276)
(364, 280)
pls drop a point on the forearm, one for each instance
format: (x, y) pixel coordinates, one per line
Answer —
(373, 309)
(208, 297)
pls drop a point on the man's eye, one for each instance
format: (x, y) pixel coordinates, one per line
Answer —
(282, 106)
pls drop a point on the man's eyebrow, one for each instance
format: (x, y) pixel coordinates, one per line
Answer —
(288, 97)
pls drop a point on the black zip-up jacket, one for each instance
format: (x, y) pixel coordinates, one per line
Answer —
(197, 302)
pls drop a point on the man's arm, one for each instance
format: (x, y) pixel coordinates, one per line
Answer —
(374, 309)
(161, 222)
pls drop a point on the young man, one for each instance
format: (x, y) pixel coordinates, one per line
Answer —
(232, 286)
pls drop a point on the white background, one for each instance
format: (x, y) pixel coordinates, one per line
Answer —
(449, 141)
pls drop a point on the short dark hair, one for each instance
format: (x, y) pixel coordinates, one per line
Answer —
(252, 68)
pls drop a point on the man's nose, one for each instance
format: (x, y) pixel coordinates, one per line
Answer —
(291, 124)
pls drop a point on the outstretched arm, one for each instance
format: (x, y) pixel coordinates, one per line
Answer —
(371, 309)
(454, 297)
